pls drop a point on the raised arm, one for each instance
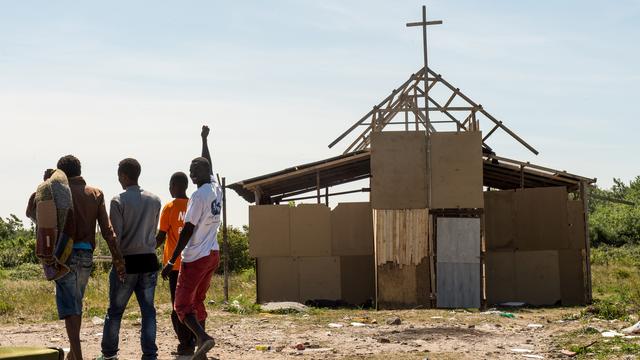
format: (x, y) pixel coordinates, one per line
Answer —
(205, 147)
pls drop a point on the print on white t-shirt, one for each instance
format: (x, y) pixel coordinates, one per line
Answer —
(203, 211)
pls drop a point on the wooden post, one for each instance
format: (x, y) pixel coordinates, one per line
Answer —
(326, 196)
(225, 240)
(584, 195)
(318, 186)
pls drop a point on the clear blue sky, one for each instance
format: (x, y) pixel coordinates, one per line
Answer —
(277, 81)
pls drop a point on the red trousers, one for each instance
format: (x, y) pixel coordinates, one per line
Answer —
(194, 279)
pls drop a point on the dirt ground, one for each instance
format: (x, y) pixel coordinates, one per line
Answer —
(432, 334)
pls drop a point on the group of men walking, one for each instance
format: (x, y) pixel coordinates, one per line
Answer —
(187, 226)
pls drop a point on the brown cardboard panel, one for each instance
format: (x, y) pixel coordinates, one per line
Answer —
(499, 219)
(357, 275)
(269, 235)
(538, 277)
(352, 229)
(311, 230)
(500, 276)
(319, 278)
(278, 279)
(572, 277)
(398, 170)
(403, 286)
(576, 224)
(541, 219)
(401, 236)
(456, 170)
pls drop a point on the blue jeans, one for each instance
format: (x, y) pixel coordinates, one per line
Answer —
(144, 286)
(70, 288)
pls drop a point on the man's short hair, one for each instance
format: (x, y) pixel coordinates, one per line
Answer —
(201, 161)
(70, 165)
(179, 178)
(48, 173)
(130, 167)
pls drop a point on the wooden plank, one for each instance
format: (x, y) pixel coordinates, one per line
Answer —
(401, 236)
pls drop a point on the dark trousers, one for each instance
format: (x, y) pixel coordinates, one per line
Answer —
(186, 338)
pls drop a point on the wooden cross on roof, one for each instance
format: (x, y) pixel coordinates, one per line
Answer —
(424, 23)
(455, 110)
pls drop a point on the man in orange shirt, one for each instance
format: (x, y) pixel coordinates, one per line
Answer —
(171, 223)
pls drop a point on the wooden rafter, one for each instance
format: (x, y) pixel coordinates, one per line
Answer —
(404, 100)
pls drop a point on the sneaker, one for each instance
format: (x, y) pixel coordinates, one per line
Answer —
(102, 357)
(633, 329)
(180, 351)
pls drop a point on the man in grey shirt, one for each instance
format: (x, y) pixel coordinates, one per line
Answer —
(134, 215)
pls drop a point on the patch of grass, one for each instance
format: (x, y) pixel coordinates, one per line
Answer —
(26, 271)
(589, 345)
(608, 310)
(242, 305)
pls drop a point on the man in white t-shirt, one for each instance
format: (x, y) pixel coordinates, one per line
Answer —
(199, 248)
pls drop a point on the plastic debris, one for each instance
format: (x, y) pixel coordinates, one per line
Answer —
(611, 334)
(521, 351)
(358, 324)
(534, 326)
(97, 321)
(533, 356)
(335, 325)
(633, 329)
(507, 315)
(263, 347)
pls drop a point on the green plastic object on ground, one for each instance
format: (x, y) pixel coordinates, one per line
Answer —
(30, 353)
(507, 315)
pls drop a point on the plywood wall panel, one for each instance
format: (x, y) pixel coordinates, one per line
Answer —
(311, 230)
(541, 219)
(572, 277)
(537, 277)
(357, 275)
(398, 170)
(499, 219)
(278, 279)
(576, 224)
(319, 278)
(269, 235)
(403, 286)
(456, 170)
(352, 229)
(500, 268)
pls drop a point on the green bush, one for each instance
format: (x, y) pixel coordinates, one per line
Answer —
(613, 223)
(26, 271)
(239, 258)
(17, 244)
